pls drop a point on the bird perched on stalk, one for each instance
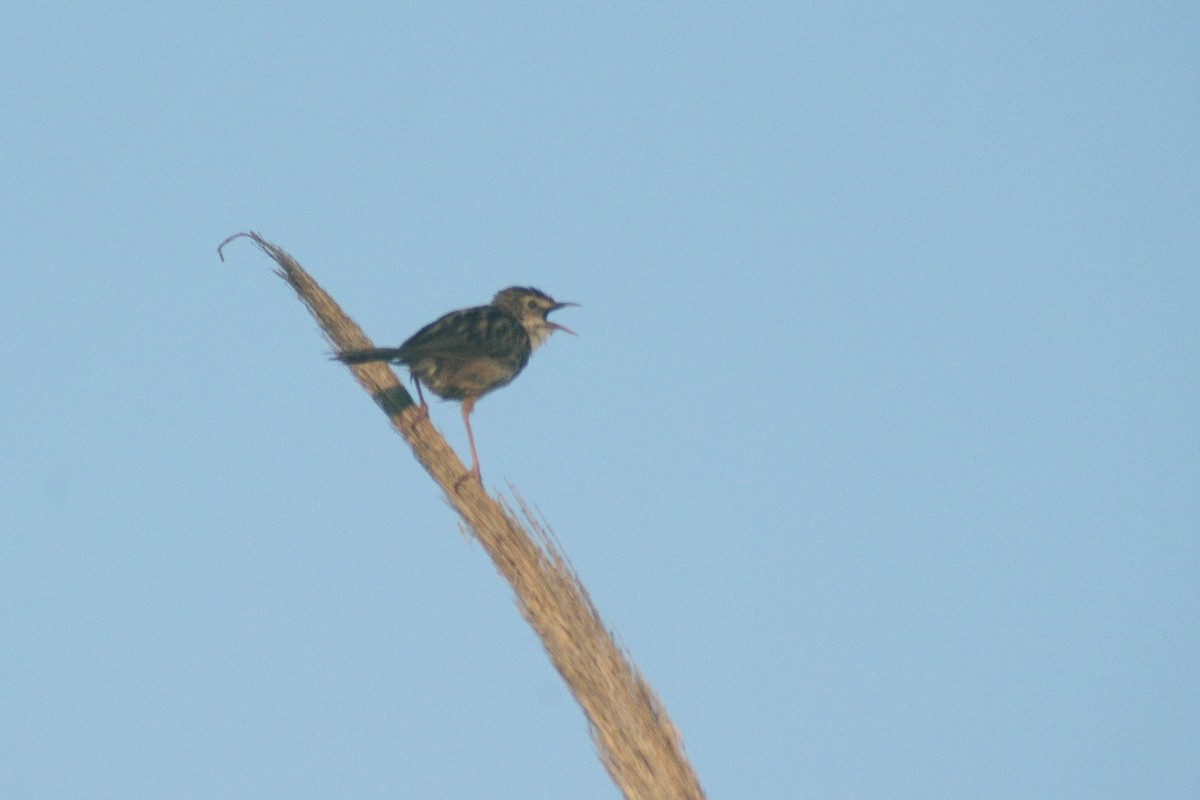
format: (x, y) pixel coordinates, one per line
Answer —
(469, 352)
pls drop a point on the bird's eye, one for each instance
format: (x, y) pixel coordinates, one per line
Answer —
(531, 303)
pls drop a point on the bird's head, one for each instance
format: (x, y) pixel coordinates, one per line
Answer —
(530, 306)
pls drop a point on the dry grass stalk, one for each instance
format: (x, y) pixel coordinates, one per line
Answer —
(637, 743)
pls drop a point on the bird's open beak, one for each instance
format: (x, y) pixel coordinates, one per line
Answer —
(555, 325)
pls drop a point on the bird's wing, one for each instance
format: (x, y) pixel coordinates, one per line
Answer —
(482, 332)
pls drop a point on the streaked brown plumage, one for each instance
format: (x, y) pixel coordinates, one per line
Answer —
(472, 351)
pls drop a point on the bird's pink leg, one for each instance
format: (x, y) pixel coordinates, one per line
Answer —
(422, 408)
(468, 406)
(421, 398)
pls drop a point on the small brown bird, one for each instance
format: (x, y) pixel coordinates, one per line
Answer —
(469, 352)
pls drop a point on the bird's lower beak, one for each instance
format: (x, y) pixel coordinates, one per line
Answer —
(555, 325)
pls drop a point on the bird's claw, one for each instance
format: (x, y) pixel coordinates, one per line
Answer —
(471, 474)
(415, 418)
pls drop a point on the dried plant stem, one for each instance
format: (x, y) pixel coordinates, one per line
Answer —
(637, 743)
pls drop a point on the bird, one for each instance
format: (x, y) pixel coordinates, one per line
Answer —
(467, 353)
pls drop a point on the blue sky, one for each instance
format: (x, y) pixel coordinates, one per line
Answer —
(878, 447)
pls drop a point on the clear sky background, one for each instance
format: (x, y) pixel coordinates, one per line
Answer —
(878, 447)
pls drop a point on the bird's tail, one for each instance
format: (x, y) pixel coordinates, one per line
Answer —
(364, 356)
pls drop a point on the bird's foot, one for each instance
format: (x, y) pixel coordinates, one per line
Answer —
(468, 476)
(413, 419)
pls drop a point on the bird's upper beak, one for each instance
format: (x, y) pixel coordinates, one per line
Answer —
(555, 325)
